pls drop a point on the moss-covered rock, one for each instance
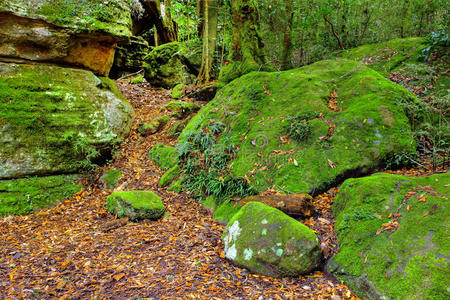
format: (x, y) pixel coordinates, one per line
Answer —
(266, 241)
(130, 56)
(146, 129)
(82, 33)
(393, 236)
(26, 195)
(173, 63)
(164, 156)
(176, 186)
(110, 179)
(352, 113)
(169, 176)
(136, 205)
(178, 91)
(181, 109)
(57, 120)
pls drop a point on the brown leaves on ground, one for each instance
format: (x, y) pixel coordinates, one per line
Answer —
(78, 250)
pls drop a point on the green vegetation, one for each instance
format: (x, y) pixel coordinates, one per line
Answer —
(181, 109)
(164, 156)
(111, 178)
(27, 195)
(169, 176)
(393, 236)
(136, 205)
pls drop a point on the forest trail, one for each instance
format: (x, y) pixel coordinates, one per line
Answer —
(78, 250)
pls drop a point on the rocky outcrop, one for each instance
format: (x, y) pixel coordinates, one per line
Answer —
(393, 236)
(135, 205)
(77, 33)
(130, 57)
(266, 241)
(56, 120)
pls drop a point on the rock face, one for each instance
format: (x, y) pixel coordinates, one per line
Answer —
(73, 32)
(173, 63)
(295, 204)
(136, 205)
(130, 57)
(266, 241)
(305, 130)
(53, 119)
(393, 236)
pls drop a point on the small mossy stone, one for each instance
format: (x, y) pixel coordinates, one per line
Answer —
(176, 186)
(268, 242)
(136, 205)
(169, 176)
(181, 109)
(110, 179)
(408, 260)
(178, 91)
(164, 156)
(177, 128)
(27, 195)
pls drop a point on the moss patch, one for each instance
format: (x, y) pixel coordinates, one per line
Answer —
(169, 176)
(178, 91)
(164, 156)
(266, 241)
(26, 195)
(383, 259)
(354, 125)
(181, 109)
(110, 179)
(136, 205)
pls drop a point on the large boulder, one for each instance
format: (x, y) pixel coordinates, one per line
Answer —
(266, 241)
(135, 205)
(53, 120)
(298, 131)
(82, 33)
(393, 237)
(173, 63)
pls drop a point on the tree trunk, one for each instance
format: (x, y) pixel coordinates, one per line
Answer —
(336, 35)
(287, 38)
(247, 49)
(153, 8)
(211, 13)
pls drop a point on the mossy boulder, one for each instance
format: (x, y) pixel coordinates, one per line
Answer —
(181, 109)
(164, 156)
(393, 236)
(82, 33)
(268, 242)
(110, 179)
(173, 63)
(350, 115)
(146, 129)
(178, 91)
(130, 56)
(26, 195)
(169, 176)
(135, 205)
(56, 120)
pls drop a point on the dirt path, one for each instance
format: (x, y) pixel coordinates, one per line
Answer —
(77, 250)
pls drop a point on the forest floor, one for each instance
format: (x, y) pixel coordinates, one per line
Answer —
(77, 250)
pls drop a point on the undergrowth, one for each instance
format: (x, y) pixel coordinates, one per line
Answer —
(206, 165)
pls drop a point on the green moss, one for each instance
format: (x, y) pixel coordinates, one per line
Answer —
(164, 156)
(136, 205)
(401, 263)
(225, 211)
(267, 241)
(256, 110)
(177, 128)
(111, 178)
(111, 17)
(26, 195)
(169, 176)
(176, 186)
(181, 109)
(137, 80)
(178, 91)
(47, 112)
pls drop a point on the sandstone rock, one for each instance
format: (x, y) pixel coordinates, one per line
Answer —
(129, 57)
(294, 204)
(135, 205)
(393, 236)
(77, 33)
(54, 119)
(266, 241)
